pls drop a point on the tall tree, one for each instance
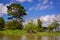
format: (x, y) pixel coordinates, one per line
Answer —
(39, 24)
(16, 11)
(54, 25)
(1, 23)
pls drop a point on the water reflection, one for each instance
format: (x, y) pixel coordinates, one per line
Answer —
(29, 37)
(54, 38)
(44, 38)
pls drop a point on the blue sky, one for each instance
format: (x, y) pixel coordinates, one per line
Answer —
(35, 8)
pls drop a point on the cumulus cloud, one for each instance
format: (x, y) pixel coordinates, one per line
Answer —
(29, 0)
(45, 1)
(44, 4)
(46, 20)
(30, 8)
(24, 0)
(21, 0)
(3, 9)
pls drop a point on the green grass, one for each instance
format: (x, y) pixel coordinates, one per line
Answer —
(22, 32)
(48, 34)
(13, 32)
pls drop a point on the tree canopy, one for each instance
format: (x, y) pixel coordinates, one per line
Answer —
(16, 11)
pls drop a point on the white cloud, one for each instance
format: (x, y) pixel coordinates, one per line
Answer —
(30, 8)
(44, 7)
(45, 1)
(21, 0)
(24, 0)
(46, 20)
(29, 0)
(51, 2)
(44, 4)
(58, 18)
(39, 0)
(3, 9)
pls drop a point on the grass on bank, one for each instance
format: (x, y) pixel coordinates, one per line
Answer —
(48, 34)
(22, 32)
(13, 32)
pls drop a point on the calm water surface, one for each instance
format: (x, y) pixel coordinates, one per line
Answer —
(29, 37)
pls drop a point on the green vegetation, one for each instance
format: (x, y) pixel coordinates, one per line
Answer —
(23, 32)
(30, 27)
(13, 32)
(16, 11)
(15, 27)
(1, 23)
(53, 25)
(39, 25)
(12, 25)
(48, 34)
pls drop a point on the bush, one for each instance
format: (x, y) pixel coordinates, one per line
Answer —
(12, 25)
(30, 27)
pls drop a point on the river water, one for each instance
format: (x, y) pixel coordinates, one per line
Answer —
(29, 37)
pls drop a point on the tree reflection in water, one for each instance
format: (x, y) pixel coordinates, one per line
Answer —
(29, 37)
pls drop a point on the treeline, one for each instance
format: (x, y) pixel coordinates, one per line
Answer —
(16, 12)
(30, 27)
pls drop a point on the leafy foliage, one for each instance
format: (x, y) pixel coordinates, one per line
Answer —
(39, 25)
(13, 25)
(53, 25)
(50, 28)
(16, 10)
(30, 27)
(1, 23)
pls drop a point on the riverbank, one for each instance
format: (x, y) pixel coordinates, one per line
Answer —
(13, 32)
(48, 34)
(22, 32)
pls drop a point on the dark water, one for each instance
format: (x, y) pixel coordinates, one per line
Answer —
(29, 37)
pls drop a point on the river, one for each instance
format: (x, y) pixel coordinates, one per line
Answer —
(29, 37)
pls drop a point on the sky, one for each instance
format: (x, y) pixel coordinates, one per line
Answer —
(35, 8)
